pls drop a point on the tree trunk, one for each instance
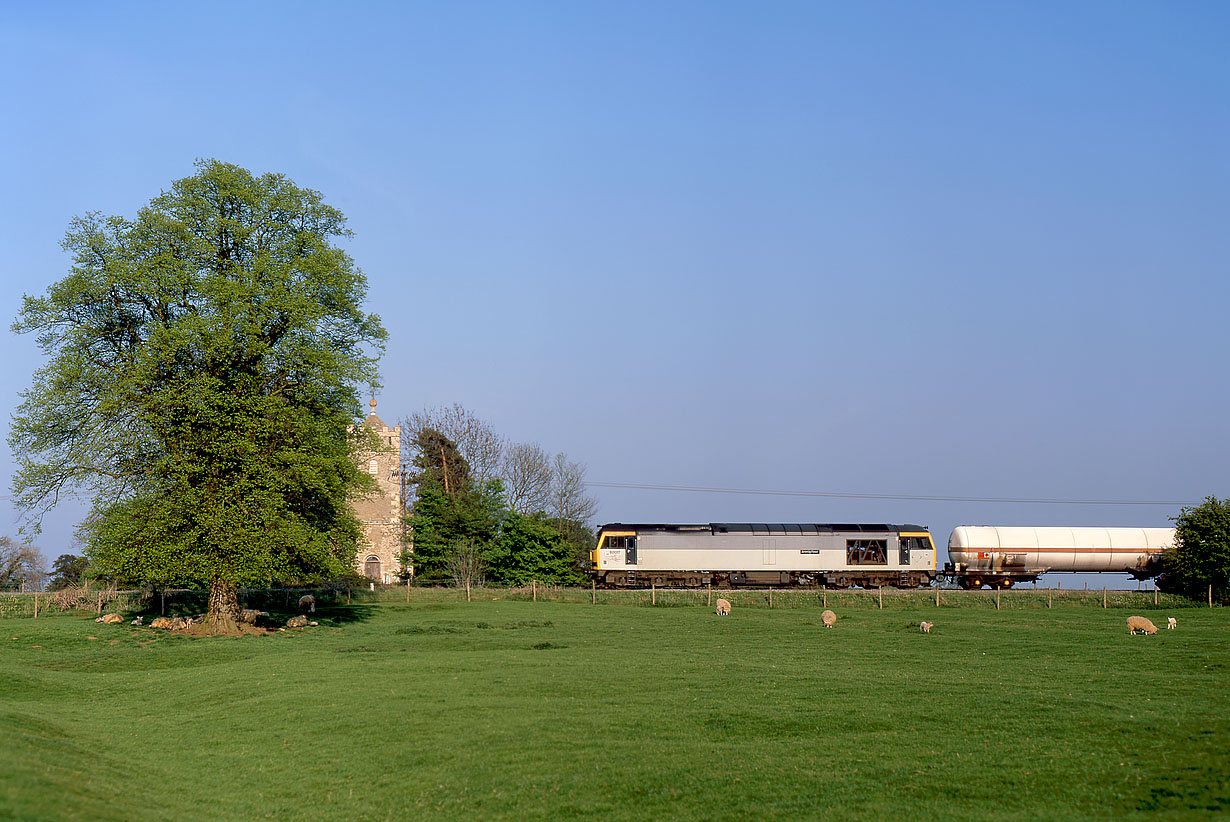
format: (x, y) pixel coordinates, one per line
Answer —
(223, 607)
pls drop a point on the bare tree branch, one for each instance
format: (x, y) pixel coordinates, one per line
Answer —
(526, 472)
(475, 439)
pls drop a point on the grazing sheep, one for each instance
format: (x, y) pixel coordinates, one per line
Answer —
(926, 627)
(297, 622)
(252, 616)
(723, 608)
(1171, 623)
(307, 602)
(110, 619)
(829, 619)
(1139, 623)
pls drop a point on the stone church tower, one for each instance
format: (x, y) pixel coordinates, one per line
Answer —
(379, 559)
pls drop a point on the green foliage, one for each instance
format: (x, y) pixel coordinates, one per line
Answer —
(202, 386)
(439, 463)
(461, 530)
(67, 571)
(439, 520)
(1201, 555)
(532, 548)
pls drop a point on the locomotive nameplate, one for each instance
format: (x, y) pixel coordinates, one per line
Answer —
(809, 550)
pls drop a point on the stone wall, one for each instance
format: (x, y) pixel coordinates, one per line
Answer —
(380, 558)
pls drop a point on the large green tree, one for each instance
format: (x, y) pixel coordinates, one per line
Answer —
(1201, 553)
(532, 547)
(202, 388)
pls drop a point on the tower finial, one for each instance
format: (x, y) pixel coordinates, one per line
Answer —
(373, 404)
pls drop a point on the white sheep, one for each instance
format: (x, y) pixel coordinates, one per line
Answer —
(1171, 623)
(926, 627)
(307, 602)
(828, 618)
(1139, 623)
(723, 608)
(250, 616)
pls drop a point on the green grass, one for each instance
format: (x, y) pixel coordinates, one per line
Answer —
(512, 709)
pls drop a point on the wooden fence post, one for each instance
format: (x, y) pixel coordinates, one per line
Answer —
(467, 590)
(881, 597)
(1103, 596)
(593, 592)
(1049, 597)
(407, 589)
(826, 599)
(534, 588)
(1154, 593)
(653, 593)
(937, 596)
(770, 597)
(36, 604)
(100, 603)
(997, 599)
(710, 593)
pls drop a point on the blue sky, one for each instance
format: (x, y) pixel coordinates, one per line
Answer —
(946, 249)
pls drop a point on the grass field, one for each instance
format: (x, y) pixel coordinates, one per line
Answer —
(555, 710)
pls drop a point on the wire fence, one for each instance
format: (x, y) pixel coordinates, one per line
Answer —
(191, 601)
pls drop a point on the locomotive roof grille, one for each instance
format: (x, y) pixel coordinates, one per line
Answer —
(768, 527)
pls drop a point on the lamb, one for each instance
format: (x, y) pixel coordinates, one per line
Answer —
(828, 618)
(307, 602)
(723, 608)
(110, 619)
(1139, 623)
(926, 627)
(138, 621)
(1171, 623)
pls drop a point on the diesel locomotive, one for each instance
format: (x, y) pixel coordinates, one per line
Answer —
(763, 554)
(842, 555)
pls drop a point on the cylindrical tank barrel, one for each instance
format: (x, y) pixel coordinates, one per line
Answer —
(1004, 549)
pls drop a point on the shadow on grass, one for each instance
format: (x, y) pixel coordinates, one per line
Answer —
(340, 614)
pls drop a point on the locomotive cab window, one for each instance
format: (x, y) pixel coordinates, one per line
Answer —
(866, 552)
(628, 544)
(908, 544)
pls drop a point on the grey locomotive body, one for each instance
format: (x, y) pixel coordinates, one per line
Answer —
(763, 554)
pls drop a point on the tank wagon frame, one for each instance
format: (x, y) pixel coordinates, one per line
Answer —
(839, 555)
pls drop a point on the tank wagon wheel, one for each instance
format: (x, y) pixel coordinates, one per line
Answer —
(1006, 583)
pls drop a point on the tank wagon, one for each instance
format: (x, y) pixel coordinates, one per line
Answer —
(763, 554)
(1000, 556)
